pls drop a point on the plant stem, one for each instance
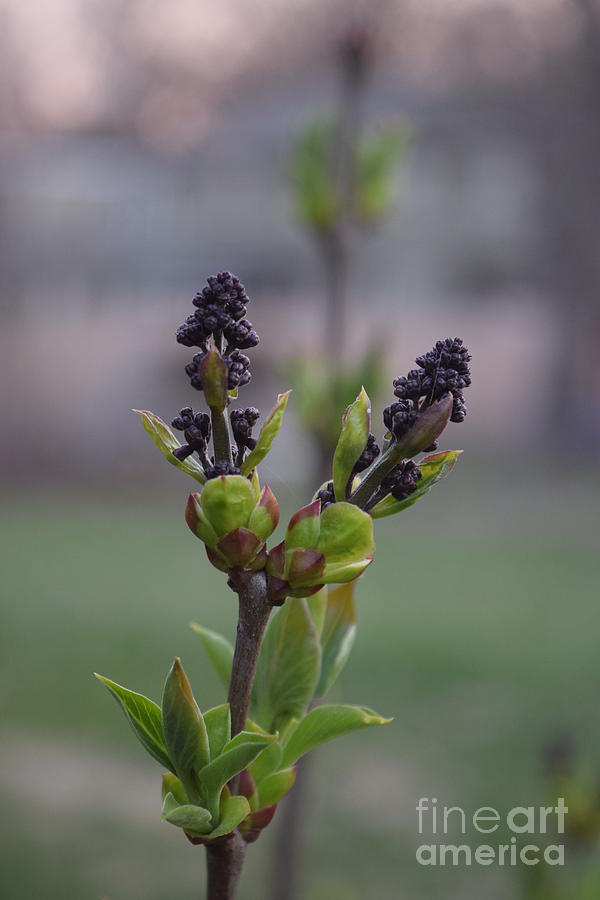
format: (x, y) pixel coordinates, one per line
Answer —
(224, 861)
(225, 858)
(220, 435)
(254, 611)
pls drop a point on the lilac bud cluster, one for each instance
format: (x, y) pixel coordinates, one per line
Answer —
(442, 370)
(220, 315)
(196, 431)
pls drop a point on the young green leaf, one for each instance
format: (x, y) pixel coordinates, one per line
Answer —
(172, 785)
(433, 469)
(355, 431)
(184, 730)
(346, 534)
(267, 434)
(276, 786)
(218, 727)
(194, 819)
(288, 665)
(144, 717)
(339, 632)
(267, 762)
(219, 651)
(317, 605)
(233, 811)
(325, 723)
(236, 755)
(166, 442)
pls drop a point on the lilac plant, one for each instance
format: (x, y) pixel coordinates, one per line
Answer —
(228, 767)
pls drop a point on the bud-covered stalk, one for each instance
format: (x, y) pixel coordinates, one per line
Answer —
(228, 767)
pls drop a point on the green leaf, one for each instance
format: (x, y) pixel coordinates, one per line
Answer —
(194, 819)
(276, 786)
(317, 605)
(218, 728)
(172, 785)
(144, 717)
(339, 632)
(264, 518)
(288, 666)
(233, 811)
(237, 755)
(166, 442)
(184, 730)
(433, 469)
(227, 503)
(353, 438)
(267, 762)
(325, 723)
(267, 434)
(304, 526)
(219, 651)
(346, 534)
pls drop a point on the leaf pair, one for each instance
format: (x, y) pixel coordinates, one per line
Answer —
(216, 375)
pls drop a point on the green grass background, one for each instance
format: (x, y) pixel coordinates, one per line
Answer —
(478, 632)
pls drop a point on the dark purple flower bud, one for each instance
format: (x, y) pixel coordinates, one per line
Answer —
(459, 410)
(242, 423)
(196, 431)
(326, 495)
(368, 456)
(401, 482)
(399, 417)
(238, 366)
(241, 335)
(222, 467)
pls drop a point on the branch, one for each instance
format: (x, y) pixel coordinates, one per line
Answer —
(225, 857)
(254, 611)
(224, 861)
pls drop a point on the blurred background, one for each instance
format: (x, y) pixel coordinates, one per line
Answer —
(379, 175)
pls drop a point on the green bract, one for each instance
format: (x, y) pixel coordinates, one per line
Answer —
(166, 442)
(329, 547)
(233, 524)
(433, 469)
(267, 434)
(198, 751)
(355, 431)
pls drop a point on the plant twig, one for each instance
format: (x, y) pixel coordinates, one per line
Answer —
(224, 861)
(225, 857)
(254, 611)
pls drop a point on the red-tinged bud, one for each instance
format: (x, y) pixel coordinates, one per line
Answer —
(239, 547)
(259, 561)
(276, 561)
(197, 521)
(246, 786)
(265, 516)
(217, 559)
(256, 822)
(304, 566)
(278, 590)
(304, 591)
(303, 528)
